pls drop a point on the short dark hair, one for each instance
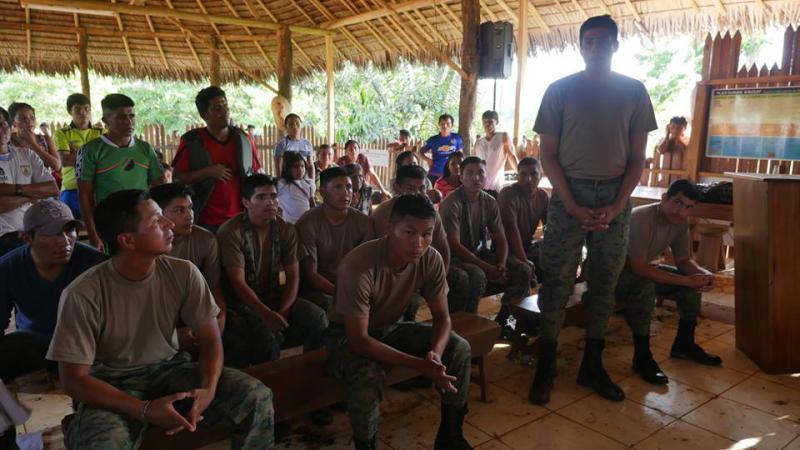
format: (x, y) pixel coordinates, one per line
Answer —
(77, 99)
(114, 101)
(289, 116)
(165, 193)
(529, 161)
(323, 147)
(203, 98)
(490, 115)
(5, 115)
(350, 169)
(16, 107)
(406, 133)
(415, 172)
(450, 157)
(446, 116)
(350, 141)
(679, 120)
(415, 205)
(117, 214)
(254, 182)
(327, 175)
(604, 21)
(685, 187)
(471, 160)
(289, 159)
(403, 155)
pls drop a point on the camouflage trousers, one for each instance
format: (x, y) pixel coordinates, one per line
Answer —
(316, 297)
(241, 402)
(247, 340)
(639, 295)
(561, 252)
(533, 251)
(465, 296)
(364, 378)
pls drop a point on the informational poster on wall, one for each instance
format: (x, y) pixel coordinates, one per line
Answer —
(760, 123)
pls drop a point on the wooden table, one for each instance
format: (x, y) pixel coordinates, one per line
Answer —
(644, 195)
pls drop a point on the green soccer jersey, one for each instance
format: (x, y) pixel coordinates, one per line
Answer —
(111, 168)
(78, 138)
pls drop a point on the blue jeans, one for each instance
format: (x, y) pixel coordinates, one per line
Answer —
(70, 198)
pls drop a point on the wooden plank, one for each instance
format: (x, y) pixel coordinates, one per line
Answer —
(284, 72)
(214, 74)
(522, 62)
(754, 77)
(83, 64)
(470, 20)
(329, 88)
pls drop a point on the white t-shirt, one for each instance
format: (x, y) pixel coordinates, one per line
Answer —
(491, 151)
(294, 198)
(20, 166)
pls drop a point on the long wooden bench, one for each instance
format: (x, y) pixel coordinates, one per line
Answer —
(300, 383)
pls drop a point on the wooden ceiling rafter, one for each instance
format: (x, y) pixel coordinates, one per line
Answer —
(314, 24)
(485, 8)
(247, 30)
(275, 19)
(369, 27)
(28, 36)
(157, 40)
(124, 39)
(189, 43)
(510, 12)
(581, 9)
(424, 20)
(325, 12)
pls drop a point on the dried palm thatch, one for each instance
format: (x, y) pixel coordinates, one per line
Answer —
(174, 39)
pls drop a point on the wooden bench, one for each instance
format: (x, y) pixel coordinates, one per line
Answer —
(300, 384)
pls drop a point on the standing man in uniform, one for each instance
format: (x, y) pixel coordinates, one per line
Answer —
(375, 284)
(593, 126)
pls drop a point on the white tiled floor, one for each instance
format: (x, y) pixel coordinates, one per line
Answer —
(731, 407)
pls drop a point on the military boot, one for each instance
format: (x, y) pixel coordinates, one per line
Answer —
(593, 375)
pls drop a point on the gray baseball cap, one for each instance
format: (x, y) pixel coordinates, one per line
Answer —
(48, 217)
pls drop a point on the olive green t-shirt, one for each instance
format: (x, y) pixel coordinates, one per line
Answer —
(232, 247)
(106, 319)
(326, 243)
(594, 121)
(78, 138)
(111, 168)
(451, 210)
(200, 247)
(523, 209)
(651, 234)
(368, 286)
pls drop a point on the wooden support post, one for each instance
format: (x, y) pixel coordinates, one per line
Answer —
(329, 72)
(285, 62)
(522, 60)
(83, 63)
(214, 74)
(470, 20)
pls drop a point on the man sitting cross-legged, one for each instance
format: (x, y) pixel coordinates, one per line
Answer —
(327, 233)
(654, 228)
(471, 217)
(192, 243)
(374, 286)
(259, 254)
(117, 349)
(522, 206)
(31, 280)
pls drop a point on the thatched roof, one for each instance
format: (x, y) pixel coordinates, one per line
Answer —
(42, 35)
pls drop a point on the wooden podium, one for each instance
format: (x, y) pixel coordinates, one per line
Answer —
(766, 212)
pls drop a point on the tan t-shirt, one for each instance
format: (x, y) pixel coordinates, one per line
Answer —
(594, 121)
(231, 243)
(106, 319)
(200, 248)
(451, 211)
(367, 286)
(326, 243)
(523, 209)
(380, 221)
(651, 234)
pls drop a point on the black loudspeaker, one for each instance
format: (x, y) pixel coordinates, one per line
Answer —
(496, 48)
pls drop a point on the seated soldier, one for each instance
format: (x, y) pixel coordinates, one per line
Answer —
(259, 254)
(24, 179)
(362, 192)
(522, 206)
(192, 243)
(409, 158)
(375, 284)
(655, 227)
(116, 348)
(327, 233)
(411, 180)
(471, 217)
(31, 280)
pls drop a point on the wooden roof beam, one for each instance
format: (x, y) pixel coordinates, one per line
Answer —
(383, 11)
(158, 11)
(509, 11)
(124, 38)
(580, 8)
(539, 18)
(247, 30)
(189, 43)
(322, 9)
(275, 19)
